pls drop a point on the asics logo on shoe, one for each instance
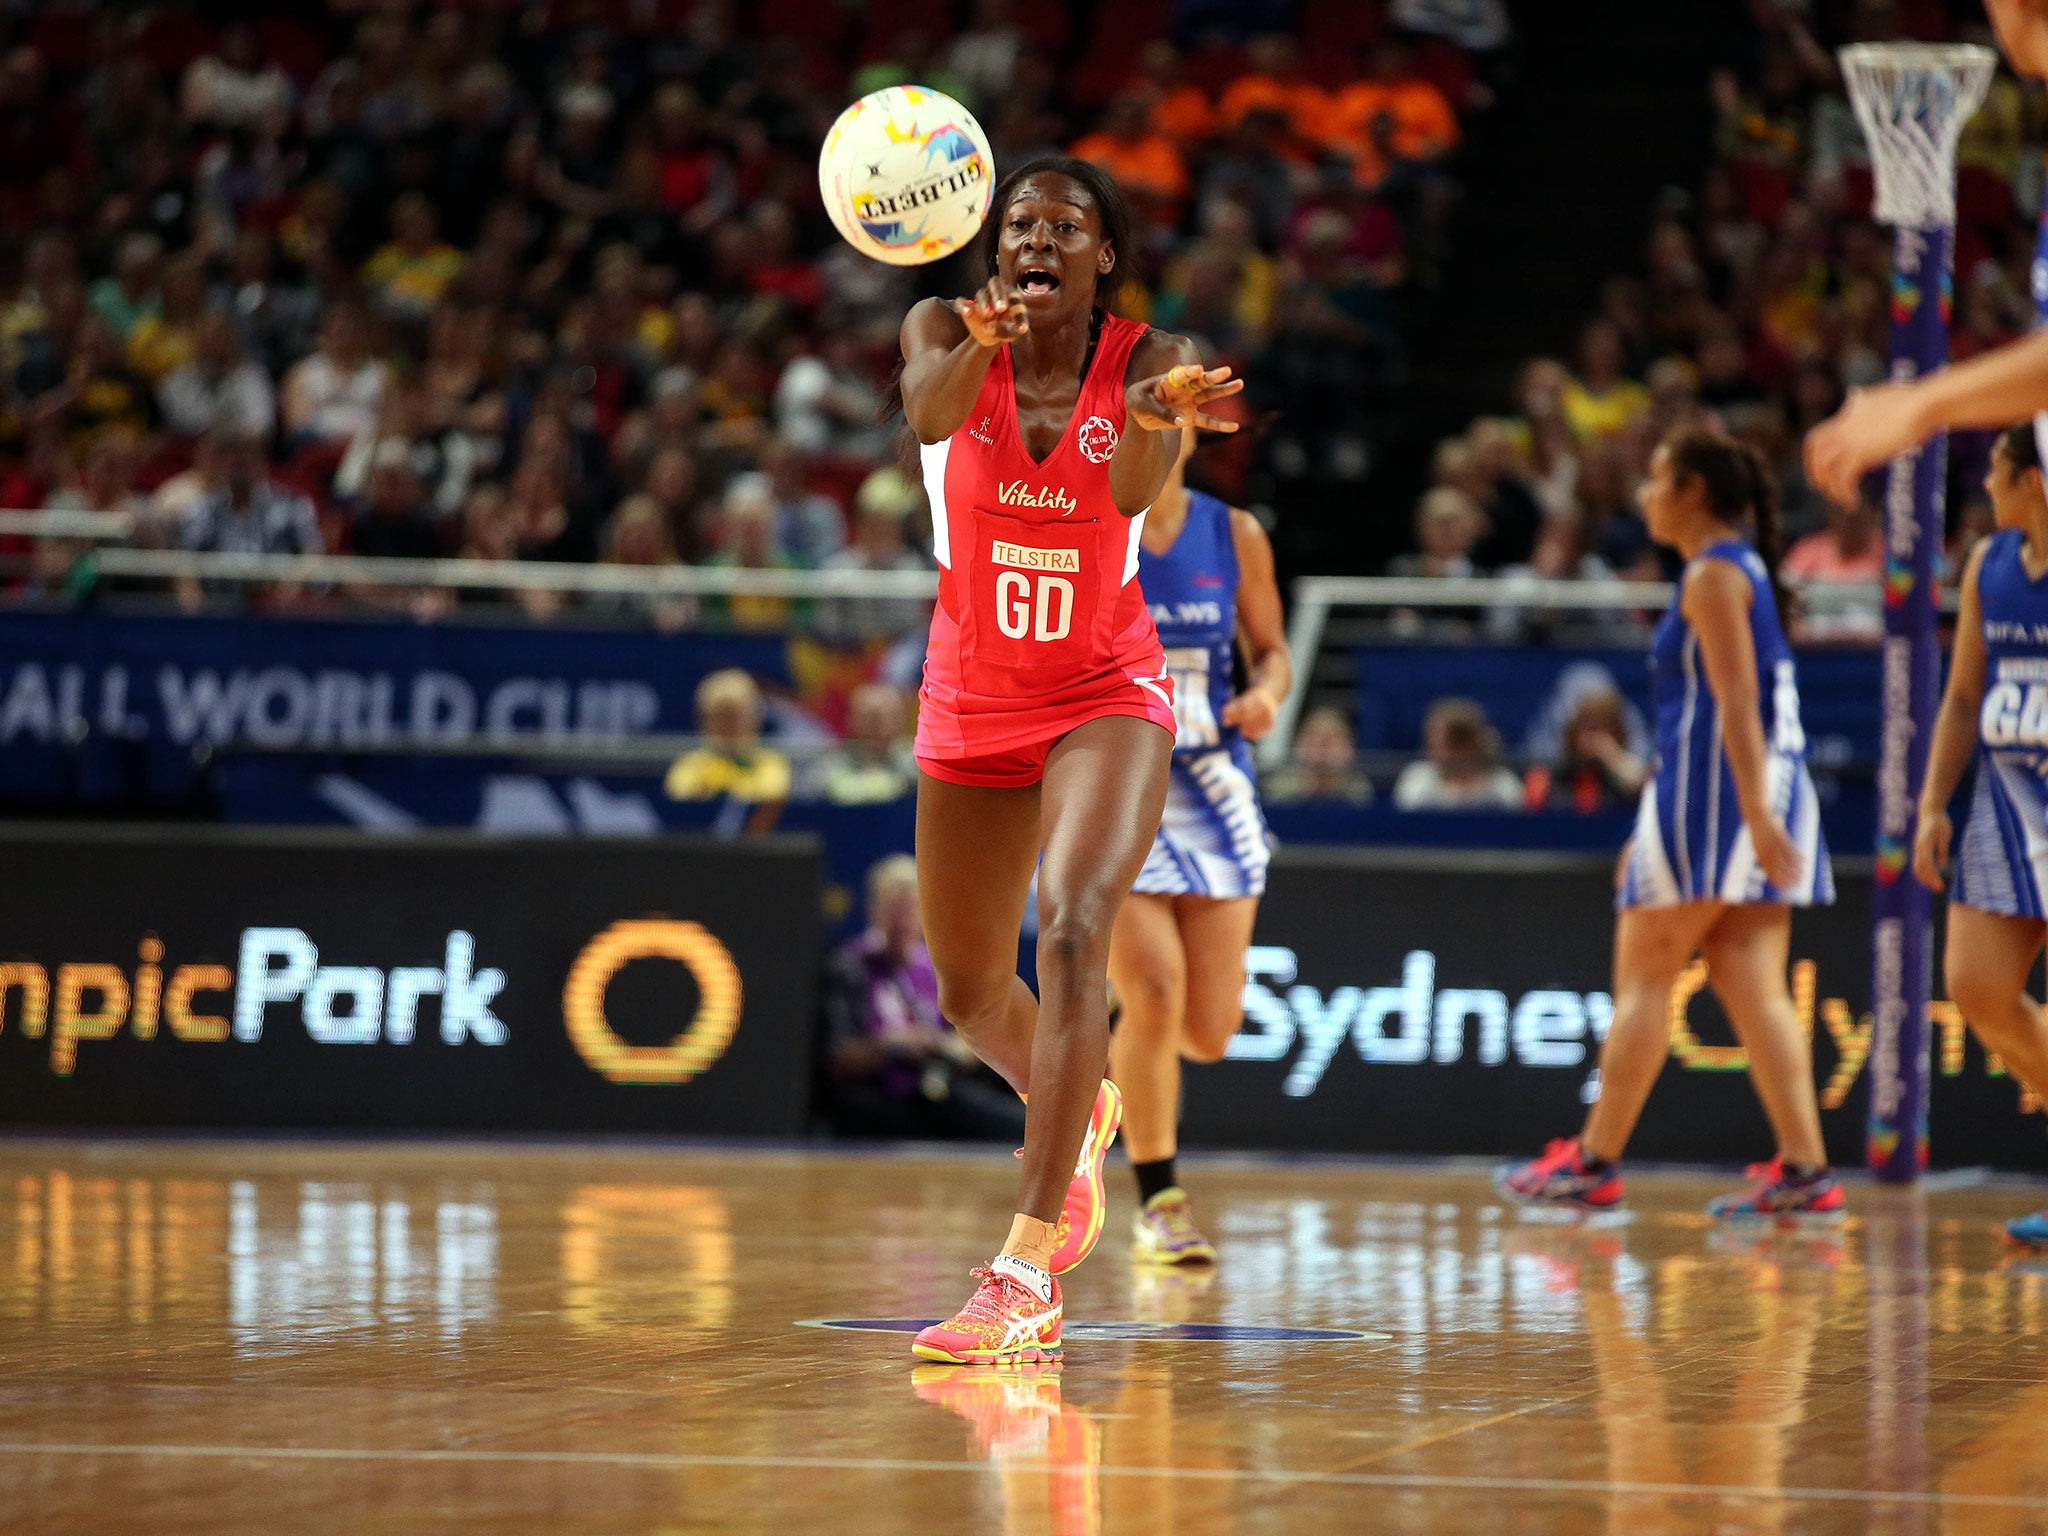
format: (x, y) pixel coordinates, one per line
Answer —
(1023, 1330)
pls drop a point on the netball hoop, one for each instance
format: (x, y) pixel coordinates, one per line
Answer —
(1912, 100)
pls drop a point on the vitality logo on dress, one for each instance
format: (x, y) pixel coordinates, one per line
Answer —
(1015, 493)
(1097, 438)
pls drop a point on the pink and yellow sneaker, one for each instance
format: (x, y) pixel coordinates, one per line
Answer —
(1081, 1218)
(1012, 1319)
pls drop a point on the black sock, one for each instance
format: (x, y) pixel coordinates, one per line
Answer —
(1594, 1164)
(1153, 1177)
(1799, 1173)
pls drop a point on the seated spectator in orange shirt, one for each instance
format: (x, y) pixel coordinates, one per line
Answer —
(1145, 164)
(1423, 126)
(1276, 84)
(1181, 111)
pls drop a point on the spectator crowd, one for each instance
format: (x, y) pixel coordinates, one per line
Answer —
(1763, 296)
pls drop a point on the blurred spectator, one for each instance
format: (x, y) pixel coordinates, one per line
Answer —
(1392, 113)
(639, 535)
(1483, 465)
(874, 762)
(128, 294)
(1460, 769)
(1276, 84)
(1596, 770)
(544, 527)
(410, 274)
(882, 507)
(221, 388)
(103, 480)
(1448, 524)
(894, 1067)
(1147, 164)
(1848, 551)
(1561, 553)
(1601, 401)
(97, 390)
(333, 394)
(168, 338)
(731, 762)
(395, 521)
(246, 512)
(807, 524)
(748, 541)
(1324, 765)
(234, 86)
(823, 403)
(986, 56)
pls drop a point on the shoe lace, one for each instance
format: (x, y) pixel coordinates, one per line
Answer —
(1558, 1153)
(1178, 1217)
(991, 1302)
(1769, 1173)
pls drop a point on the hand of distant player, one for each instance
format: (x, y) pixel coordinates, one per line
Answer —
(1776, 854)
(1168, 401)
(1930, 848)
(995, 315)
(1253, 712)
(1875, 425)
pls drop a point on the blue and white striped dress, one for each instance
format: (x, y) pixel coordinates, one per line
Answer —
(2002, 867)
(1212, 841)
(1690, 843)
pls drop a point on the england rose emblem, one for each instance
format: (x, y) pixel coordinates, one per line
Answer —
(1098, 439)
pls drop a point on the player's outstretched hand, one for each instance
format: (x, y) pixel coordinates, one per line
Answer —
(1930, 849)
(1776, 854)
(1168, 401)
(995, 315)
(1253, 713)
(1873, 426)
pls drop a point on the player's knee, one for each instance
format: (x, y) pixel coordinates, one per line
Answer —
(1208, 1031)
(973, 1000)
(1073, 933)
(1977, 994)
(1151, 999)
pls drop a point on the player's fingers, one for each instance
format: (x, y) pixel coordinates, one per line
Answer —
(1210, 423)
(1218, 391)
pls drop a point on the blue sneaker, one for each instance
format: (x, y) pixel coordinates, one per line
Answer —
(1560, 1178)
(2029, 1231)
(1776, 1195)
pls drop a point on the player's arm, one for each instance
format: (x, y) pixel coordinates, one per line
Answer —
(1165, 387)
(1995, 389)
(947, 349)
(1955, 731)
(1261, 631)
(1716, 603)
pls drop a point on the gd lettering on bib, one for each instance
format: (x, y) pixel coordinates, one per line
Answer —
(1032, 596)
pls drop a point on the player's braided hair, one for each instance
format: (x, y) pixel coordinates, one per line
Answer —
(1739, 489)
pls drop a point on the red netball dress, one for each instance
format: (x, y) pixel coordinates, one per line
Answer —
(1040, 626)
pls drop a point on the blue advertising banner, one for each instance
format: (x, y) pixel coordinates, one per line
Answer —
(90, 701)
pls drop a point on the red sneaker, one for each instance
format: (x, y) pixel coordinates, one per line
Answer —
(1012, 1319)
(1559, 1178)
(1081, 1218)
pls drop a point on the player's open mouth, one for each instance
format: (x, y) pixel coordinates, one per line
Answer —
(1035, 282)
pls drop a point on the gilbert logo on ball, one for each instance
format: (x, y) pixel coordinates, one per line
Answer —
(906, 175)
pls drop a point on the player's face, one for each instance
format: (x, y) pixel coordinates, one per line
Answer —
(2022, 28)
(1660, 499)
(2015, 493)
(1051, 248)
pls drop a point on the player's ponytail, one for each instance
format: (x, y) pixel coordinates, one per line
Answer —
(1739, 489)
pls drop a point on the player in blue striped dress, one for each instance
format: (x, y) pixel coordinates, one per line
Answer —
(1176, 955)
(1996, 706)
(1726, 844)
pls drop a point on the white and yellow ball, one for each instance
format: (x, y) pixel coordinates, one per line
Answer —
(906, 174)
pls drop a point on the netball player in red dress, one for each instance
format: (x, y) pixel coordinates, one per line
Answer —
(1046, 721)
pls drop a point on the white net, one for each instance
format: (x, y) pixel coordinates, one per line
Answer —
(1912, 100)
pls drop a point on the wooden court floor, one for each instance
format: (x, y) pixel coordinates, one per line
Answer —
(292, 1336)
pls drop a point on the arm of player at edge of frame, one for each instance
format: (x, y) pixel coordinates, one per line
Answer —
(1876, 425)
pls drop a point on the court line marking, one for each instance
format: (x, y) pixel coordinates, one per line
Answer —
(1279, 1475)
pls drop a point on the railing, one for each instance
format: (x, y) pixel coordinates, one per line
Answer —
(1315, 598)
